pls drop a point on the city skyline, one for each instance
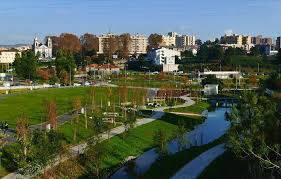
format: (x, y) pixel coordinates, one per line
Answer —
(22, 21)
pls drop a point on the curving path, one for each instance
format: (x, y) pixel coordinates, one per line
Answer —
(79, 149)
(214, 127)
(194, 168)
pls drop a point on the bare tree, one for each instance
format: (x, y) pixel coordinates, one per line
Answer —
(51, 110)
(22, 132)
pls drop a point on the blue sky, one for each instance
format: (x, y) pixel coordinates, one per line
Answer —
(21, 20)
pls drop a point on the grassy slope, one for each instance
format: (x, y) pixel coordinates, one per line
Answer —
(31, 104)
(227, 166)
(197, 108)
(168, 166)
(141, 138)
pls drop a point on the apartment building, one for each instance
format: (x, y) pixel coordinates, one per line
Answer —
(165, 57)
(169, 40)
(278, 43)
(185, 40)
(8, 57)
(259, 40)
(102, 41)
(138, 44)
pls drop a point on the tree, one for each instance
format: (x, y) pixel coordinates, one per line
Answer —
(181, 136)
(65, 66)
(90, 44)
(255, 51)
(110, 46)
(124, 45)
(160, 140)
(94, 156)
(55, 44)
(279, 56)
(26, 65)
(198, 42)
(69, 43)
(255, 134)
(154, 41)
(51, 113)
(76, 106)
(23, 133)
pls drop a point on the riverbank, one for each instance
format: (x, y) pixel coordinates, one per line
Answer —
(139, 140)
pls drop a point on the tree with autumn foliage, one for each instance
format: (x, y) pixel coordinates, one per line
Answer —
(76, 106)
(69, 42)
(124, 45)
(154, 41)
(51, 114)
(90, 44)
(110, 46)
(55, 44)
(22, 132)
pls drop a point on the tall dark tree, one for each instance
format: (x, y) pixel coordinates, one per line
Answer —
(26, 65)
(65, 66)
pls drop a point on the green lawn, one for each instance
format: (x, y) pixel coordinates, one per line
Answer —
(197, 108)
(140, 139)
(227, 166)
(31, 104)
(168, 166)
(83, 134)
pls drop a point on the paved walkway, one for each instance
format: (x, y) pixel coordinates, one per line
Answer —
(79, 149)
(194, 168)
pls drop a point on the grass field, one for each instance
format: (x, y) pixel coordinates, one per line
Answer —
(227, 166)
(168, 166)
(197, 108)
(140, 139)
(31, 104)
(83, 134)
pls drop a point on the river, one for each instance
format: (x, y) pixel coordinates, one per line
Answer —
(213, 128)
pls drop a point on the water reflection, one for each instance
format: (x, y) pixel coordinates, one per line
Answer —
(214, 127)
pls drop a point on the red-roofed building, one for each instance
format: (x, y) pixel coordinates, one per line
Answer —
(103, 69)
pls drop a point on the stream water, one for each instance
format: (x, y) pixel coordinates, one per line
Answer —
(213, 127)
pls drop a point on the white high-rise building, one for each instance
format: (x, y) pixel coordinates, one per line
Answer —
(165, 57)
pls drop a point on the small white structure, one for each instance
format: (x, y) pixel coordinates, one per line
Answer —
(222, 74)
(211, 89)
(165, 57)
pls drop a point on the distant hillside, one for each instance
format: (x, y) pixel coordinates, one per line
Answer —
(13, 46)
